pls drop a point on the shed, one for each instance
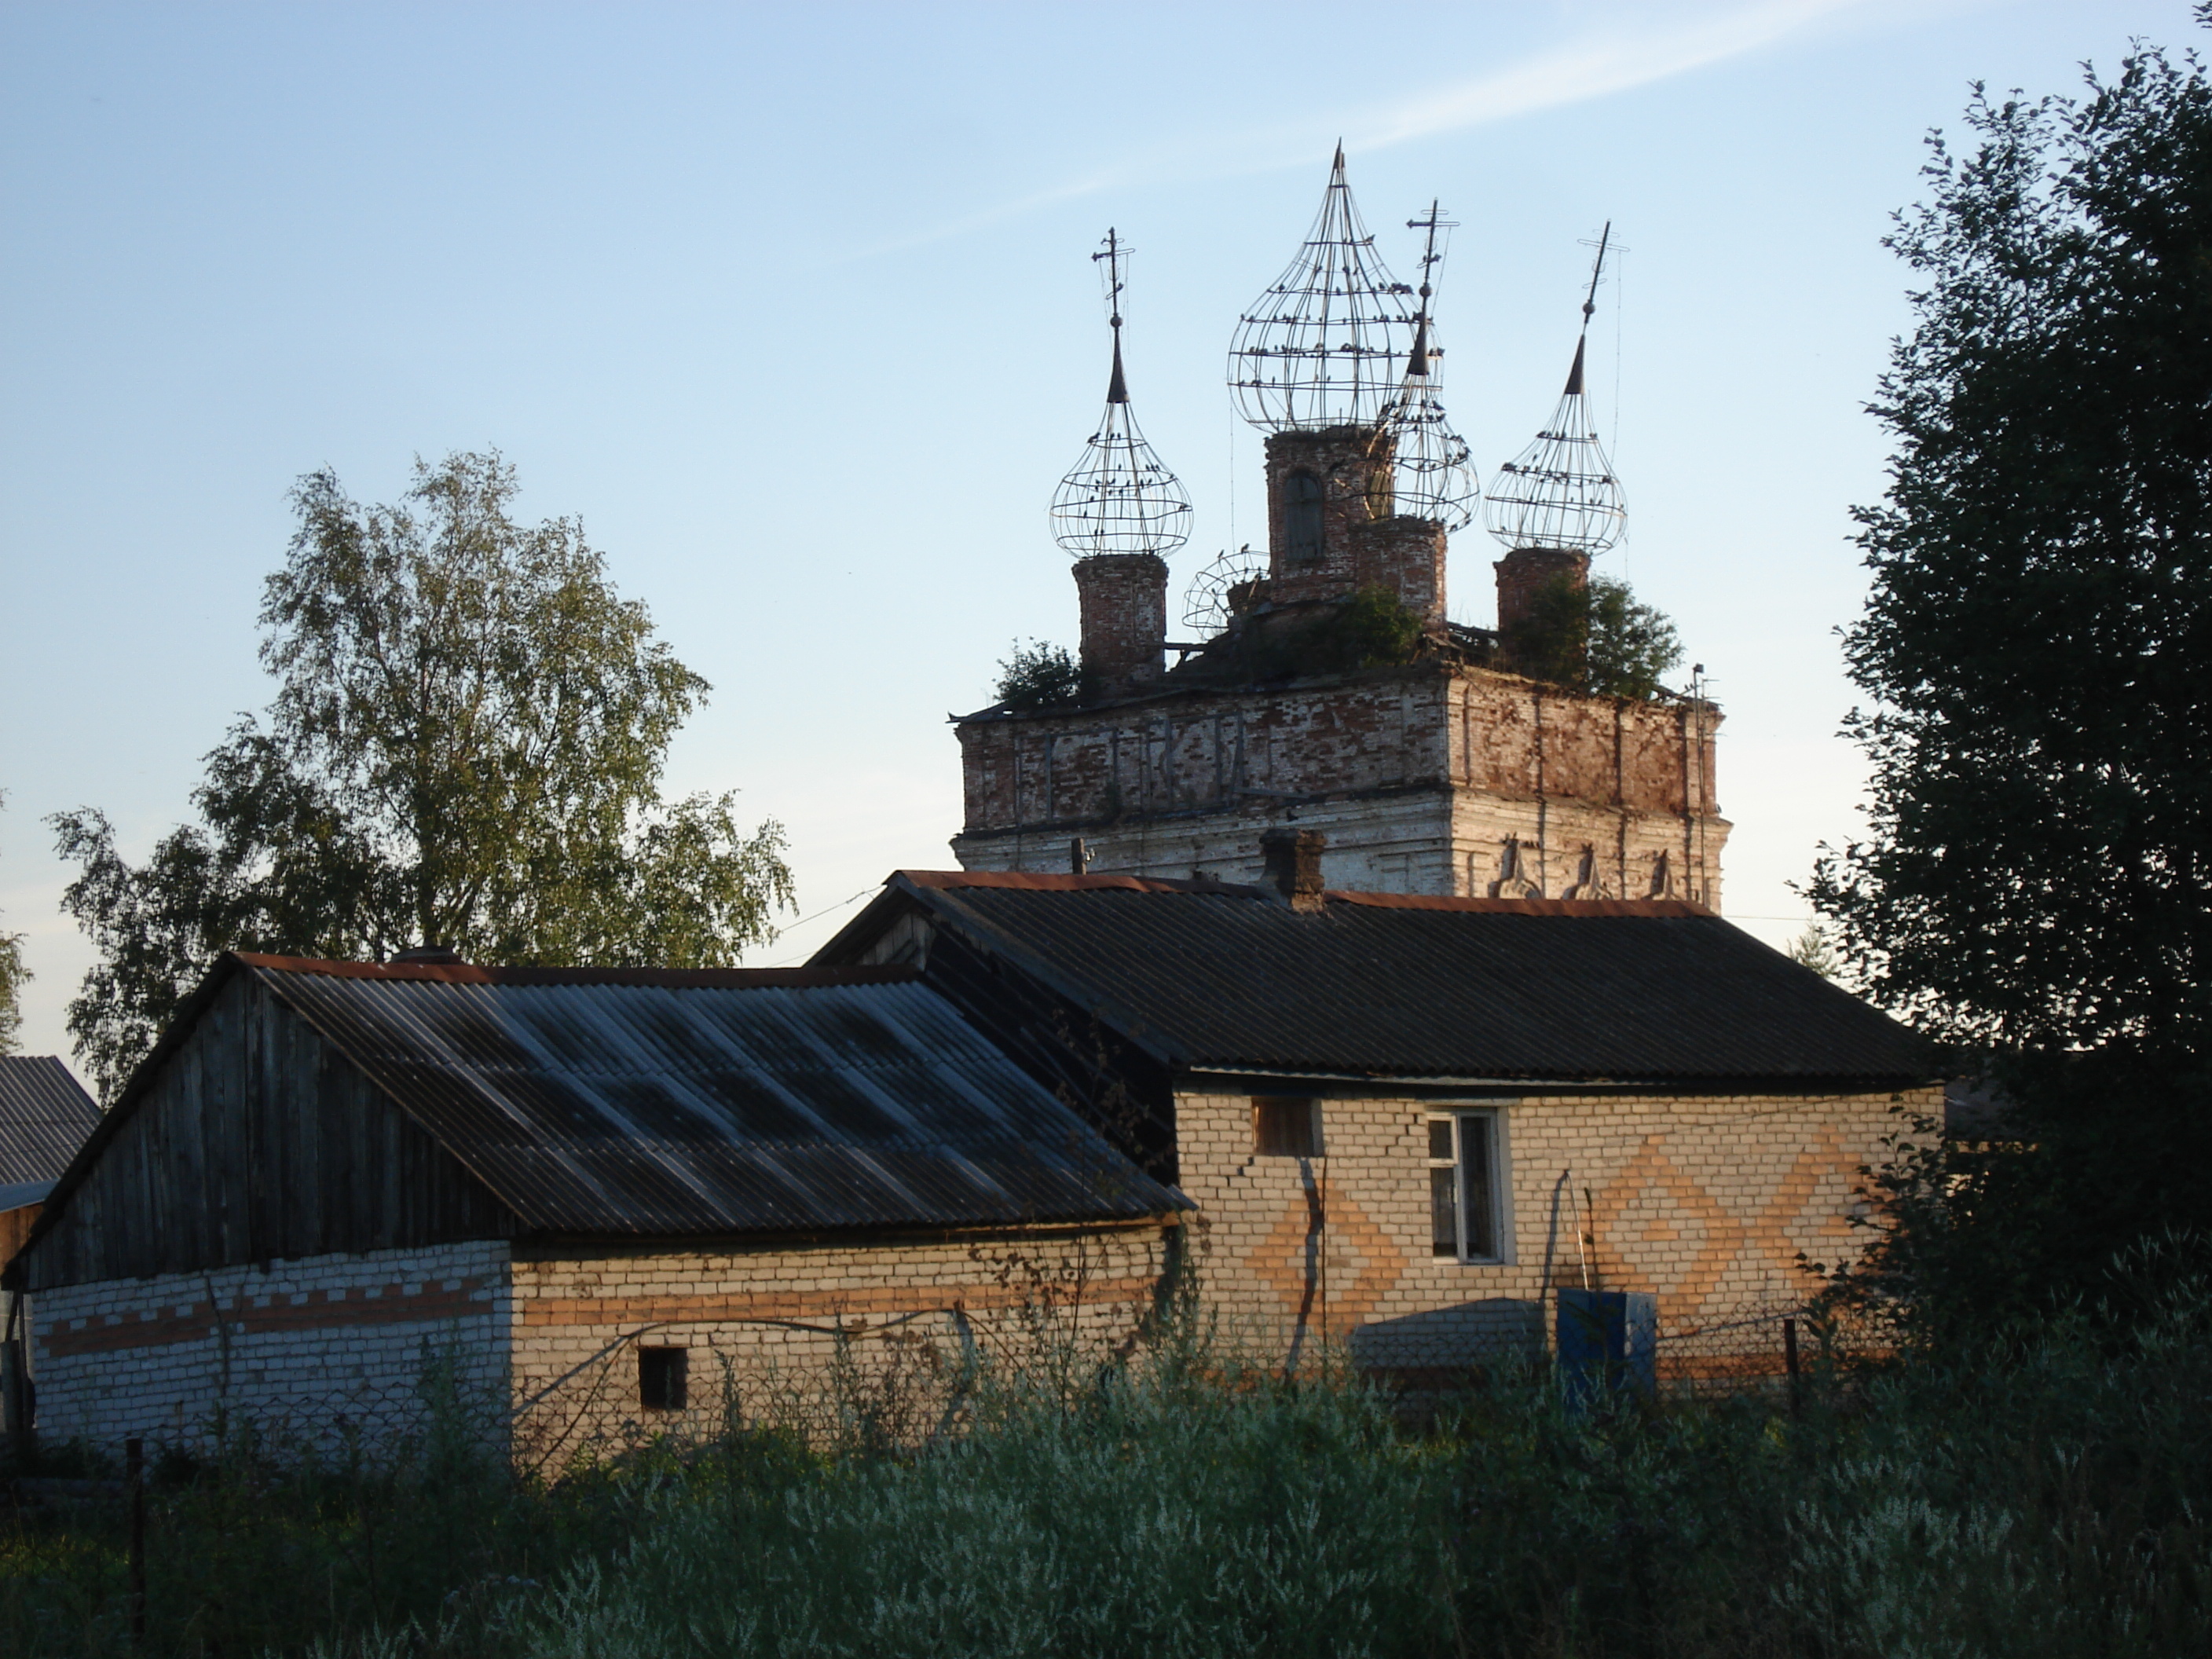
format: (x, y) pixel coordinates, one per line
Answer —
(323, 1166)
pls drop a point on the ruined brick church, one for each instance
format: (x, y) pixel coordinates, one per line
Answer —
(1328, 690)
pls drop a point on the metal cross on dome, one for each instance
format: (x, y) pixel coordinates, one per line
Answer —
(1432, 474)
(1560, 491)
(1119, 498)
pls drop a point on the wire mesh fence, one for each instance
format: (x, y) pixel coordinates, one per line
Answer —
(1762, 1345)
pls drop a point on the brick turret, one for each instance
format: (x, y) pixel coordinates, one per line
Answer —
(1124, 598)
(1526, 572)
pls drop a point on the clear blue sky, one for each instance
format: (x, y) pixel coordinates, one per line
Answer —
(791, 305)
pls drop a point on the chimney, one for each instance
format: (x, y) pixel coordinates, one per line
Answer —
(439, 956)
(1124, 598)
(1291, 864)
(1526, 572)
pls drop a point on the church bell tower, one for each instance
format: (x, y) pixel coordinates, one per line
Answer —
(1322, 686)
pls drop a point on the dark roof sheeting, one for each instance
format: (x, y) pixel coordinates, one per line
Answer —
(656, 1103)
(44, 1116)
(1212, 976)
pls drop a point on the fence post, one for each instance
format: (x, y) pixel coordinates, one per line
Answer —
(1789, 1360)
(134, 1464)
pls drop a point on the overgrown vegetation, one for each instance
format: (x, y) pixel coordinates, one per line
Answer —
(1041, 676)
(1372, 628)
(2046, 1499)
(1596, 637)
(464, 748)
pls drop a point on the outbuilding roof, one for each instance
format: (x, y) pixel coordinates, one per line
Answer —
(654, 1102)
(1209, 976)
(44, 1116)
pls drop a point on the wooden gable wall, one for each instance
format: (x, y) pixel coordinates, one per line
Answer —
(259, 1141)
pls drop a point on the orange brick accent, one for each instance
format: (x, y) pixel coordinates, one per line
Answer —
(389, 1304)
(1795, 1196)
(1723, 1235)
(1341, 1299)
(739, 1306)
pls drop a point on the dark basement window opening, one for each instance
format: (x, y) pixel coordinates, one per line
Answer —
(662, 1378)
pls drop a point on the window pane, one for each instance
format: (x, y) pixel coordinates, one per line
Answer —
(1444, 1211)
(1475, 1163)
(1440, 1146)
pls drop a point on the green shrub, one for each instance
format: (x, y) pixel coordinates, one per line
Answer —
(1041, 675)
(1598, 638)
(1372, 628)
(2043, 1500)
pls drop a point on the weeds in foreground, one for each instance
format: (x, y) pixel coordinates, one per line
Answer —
(2045, 1501)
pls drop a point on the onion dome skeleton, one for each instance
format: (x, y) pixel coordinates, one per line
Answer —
(1119, 498)
(1431, 461)
(1319, 349)
(1214, 593)
(1560, 491)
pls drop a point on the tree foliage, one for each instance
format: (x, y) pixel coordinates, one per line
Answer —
(464, 748)
(2037, 654)
(2037, 642)
(1041, 675)
(13, 973)
(1811, 948)
(1596, 637)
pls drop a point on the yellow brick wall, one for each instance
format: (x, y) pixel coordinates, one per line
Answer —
(784, 1327)
(1705, 1201)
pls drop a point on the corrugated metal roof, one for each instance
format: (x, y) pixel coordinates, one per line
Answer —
(45, 1116)
(1210, 976)
(656, 1103)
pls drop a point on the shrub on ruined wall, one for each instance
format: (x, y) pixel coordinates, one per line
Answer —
(1041, 675)
(1596, 638)
(1373, 628)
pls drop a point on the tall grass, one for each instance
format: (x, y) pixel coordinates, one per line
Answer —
(2049, 1499)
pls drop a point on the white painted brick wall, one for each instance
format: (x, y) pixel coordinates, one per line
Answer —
(309, 1349)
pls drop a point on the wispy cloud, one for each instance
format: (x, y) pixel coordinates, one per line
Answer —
(1626, 53)
(1597, 66)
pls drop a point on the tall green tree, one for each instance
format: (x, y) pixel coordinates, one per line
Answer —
(2037, 654)
(13, 973)
(464, 748)
(2038, 641)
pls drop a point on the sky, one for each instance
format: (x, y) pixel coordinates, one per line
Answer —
(793, 306)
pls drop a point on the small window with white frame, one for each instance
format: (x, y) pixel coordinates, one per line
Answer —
(1468, 1219)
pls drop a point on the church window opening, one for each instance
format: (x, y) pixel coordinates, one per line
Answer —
(1302, 517)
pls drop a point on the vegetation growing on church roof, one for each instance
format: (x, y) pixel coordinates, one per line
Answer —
(1597, 638)
(1372, 628)
(1041, 676)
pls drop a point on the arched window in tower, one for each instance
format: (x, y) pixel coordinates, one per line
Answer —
(1302, 517)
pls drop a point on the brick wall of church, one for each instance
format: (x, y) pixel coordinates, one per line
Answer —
(1423, 778)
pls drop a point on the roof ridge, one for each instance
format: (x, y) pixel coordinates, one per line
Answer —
(1043, 881)
(470, 973)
